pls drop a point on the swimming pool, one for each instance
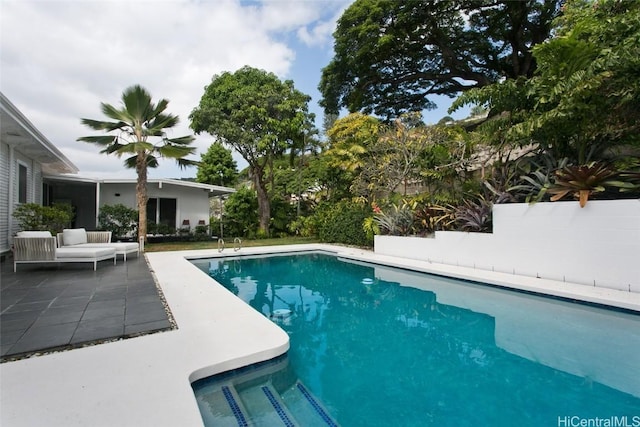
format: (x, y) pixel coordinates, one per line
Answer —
(383, 346)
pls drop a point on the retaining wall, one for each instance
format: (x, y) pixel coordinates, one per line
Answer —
(598, 245)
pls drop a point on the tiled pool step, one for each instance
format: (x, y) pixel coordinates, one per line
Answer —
(261, 405)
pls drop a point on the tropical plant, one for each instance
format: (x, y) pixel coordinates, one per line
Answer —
(474, 215)
(396, 221)
(583, 101)
(536, 177)
(430, 218)
(32, 216)
(582, 181)
(260, 117)
(121, 220)
(240, 218)
(137, 122)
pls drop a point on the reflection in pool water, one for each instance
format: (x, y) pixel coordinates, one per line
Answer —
(383, 346)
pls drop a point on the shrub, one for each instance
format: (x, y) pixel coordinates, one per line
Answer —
(342, 222)
(240, 216)
(32, 216)
(119, 219)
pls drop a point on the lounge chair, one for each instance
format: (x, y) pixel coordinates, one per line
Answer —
(80, 238)
(31, 247)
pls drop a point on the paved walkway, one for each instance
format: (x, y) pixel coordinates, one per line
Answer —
(51, 307)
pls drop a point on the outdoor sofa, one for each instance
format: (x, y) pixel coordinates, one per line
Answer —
(40, 247)
(80, 238)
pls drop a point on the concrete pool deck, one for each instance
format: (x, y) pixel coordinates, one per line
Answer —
(146, 380)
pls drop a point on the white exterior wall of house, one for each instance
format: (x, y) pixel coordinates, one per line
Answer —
(21, 144)
(192, 203)
(598, 245)
(4, 196)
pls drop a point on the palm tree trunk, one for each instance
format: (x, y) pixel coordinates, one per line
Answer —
(141, 195)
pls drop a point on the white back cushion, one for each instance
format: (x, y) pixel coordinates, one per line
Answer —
(74, 236)
(33, 234)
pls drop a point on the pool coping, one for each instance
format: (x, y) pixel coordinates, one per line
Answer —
(146, 380)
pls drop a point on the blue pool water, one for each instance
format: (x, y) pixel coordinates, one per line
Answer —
(380, 346)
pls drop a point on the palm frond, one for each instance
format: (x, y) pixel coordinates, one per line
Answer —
(100, 125)
(113, 113)
(99, 139)
(175, 151)
(137, 103)
(130, 162)
(183, 163)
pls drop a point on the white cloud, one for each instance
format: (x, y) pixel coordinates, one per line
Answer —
(60, 59)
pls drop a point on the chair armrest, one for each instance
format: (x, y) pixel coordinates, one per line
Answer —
(34, 248)
(98, 237)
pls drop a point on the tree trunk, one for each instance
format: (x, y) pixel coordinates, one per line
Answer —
(264, 206)
(141, 194)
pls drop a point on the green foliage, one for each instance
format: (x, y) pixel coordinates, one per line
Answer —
(35, 217)
(342, 222)
(217, 167)
(584, 99)
(582, 181)
(398, 220)
(282, 213)
(390, 56)
(303, 226)
(240, 218)
(135, 125)
(474, 215)
(121, 220)
(259, 116)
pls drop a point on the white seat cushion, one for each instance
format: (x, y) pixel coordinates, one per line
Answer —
(74, 236)
(120, 247)
(33, 234)
(84, 252)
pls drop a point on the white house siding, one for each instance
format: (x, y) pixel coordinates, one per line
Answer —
(4, 197)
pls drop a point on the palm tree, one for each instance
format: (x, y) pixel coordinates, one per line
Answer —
(134, 123)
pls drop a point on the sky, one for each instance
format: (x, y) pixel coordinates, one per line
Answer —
(59, 59)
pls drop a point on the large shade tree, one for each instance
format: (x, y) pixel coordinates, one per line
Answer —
(584, 98)
(137, 130)
(391, 56)
(259, 116)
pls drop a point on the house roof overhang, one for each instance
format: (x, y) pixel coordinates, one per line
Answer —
(17, 131)
(212, 190)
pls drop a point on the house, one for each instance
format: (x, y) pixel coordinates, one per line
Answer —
(33, 170)
(174, 203)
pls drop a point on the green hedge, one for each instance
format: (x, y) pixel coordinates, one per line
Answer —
(342, 222)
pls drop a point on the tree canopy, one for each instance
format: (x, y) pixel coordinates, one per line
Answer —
(583, 99)
(390, 55)
(258, 115)
(217, 166)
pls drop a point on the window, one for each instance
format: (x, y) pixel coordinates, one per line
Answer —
(22, 183)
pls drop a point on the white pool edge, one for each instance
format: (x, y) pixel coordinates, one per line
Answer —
(146, 380)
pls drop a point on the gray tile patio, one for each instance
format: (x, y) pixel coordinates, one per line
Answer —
(51, 307)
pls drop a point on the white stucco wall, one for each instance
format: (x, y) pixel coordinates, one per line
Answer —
(595, 245)
(191, 203)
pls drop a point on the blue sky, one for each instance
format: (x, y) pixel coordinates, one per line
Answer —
(59, 59)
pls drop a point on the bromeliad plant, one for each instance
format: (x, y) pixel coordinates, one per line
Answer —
(398, 221)
(583, 181)
(474, 215)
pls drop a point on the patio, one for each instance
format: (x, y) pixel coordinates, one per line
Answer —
(51, 307)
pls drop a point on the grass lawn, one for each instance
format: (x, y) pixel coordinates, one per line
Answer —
(213, 244)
